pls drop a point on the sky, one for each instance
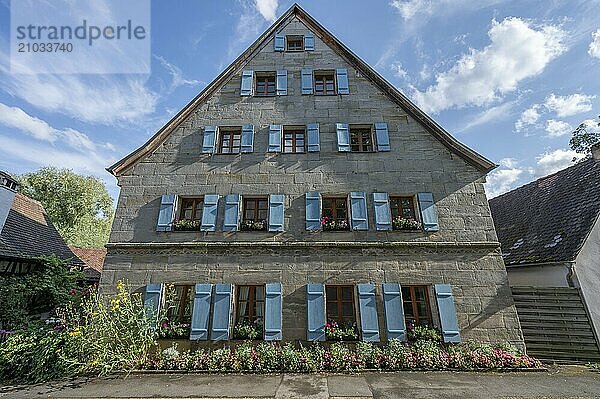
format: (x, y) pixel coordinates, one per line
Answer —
(510, 79)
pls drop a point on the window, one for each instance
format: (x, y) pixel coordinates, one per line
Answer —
(361, 139)
(250, 312)
(191, 209)
(265, 84)
(255, 212)
(294, 140)
(294, 43)
(324, 83)
(179, 300)
(335, 213)
(230, 140)
(416, 305)
(340, 305)
(403, 207)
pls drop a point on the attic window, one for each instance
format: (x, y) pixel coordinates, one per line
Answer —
(294, 43)
(265, 84)
(324, 83)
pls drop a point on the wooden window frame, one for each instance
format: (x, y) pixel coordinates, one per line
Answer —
(231, 132)
(339, 303)
(256, 201)
(417, 319)
(294, 38)
(294, 130)
(187, 295)
(251, 302)
(400, 210)
(197, 207)
(359, 132)
(325, 73)
(335, 200)
(267, 78)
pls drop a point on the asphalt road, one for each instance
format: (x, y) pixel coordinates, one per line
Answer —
(566, 382)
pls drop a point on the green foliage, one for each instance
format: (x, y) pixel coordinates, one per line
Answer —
(50, 286)
(186, 225)
(424, 333)
(335, 332)
(584, 137)
(79, 206)
(400, 223)
(246, 330)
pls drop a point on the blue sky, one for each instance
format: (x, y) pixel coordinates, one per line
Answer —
(510, 79)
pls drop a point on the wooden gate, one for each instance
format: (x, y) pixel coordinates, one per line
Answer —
(556, 324)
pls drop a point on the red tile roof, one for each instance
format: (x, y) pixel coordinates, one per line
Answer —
(93, 259)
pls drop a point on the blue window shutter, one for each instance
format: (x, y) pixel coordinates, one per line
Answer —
(275, 133)
(343, 137)
(201, 312)
(166, 213)
(394, 311)
(279, 42)
(221, 312)
(247, 80)
(358, 210)
(282, 82)
(313, 211)
(315, 306)
(445, 302)
(309, 42)
(209, 139)
(232, 212)
(312, 137)
(307, 81)
(209, 212)
(369, 323)
(276, 212)
(273, 314)
(383, 214)
(247, 144)
(383, 137)
(428, 212)
(342, 81)
(152, 301)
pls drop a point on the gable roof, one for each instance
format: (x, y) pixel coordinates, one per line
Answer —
(548, 220)
(394, 94)
(93, 258)
(29, 233)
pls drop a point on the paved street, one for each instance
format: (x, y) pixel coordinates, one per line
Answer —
(567, 382)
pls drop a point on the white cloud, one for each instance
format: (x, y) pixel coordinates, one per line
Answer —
(399, 70)
(498, 112)
(529, 117)
(517, 51)
(550, 162)
(594, 49)
(410, 8)
(267, 9)
(569, 105)
(503, 179)
(177, 78)
(556, 128)
(16, 118)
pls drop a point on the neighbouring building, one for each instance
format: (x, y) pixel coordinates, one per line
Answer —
(300, 188)
(93, 260)
(550, 235)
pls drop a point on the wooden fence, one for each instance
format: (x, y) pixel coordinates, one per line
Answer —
(556, 324)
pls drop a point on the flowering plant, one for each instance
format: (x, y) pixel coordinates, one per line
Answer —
(422, 333)
(249, 225)
(170, 329)
(186, 225)
(331, 224)
(246, 330)
(334, 332)
(400, 223)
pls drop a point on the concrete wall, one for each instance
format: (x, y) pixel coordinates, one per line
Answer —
(587, 269)
(417, 162)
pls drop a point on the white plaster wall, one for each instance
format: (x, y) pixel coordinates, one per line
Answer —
(587, 269)
(6, 199)
(539, 276)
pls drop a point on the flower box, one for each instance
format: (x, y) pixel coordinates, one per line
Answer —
(329, 224)
(261, 225)
(401, 223)
(171, 330)
(245, 330)
(186, 225)
(335, 332)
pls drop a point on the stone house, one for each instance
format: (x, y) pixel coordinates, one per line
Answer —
(301, 188)
(549, 230)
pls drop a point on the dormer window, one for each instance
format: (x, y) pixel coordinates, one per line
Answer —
(294, 43)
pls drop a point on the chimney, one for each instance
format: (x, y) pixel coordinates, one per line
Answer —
(596, 151)
(8, 189)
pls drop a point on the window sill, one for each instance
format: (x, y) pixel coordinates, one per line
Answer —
(264, 96)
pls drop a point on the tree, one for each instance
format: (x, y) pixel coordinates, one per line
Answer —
(584, 137)
(79, 206)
